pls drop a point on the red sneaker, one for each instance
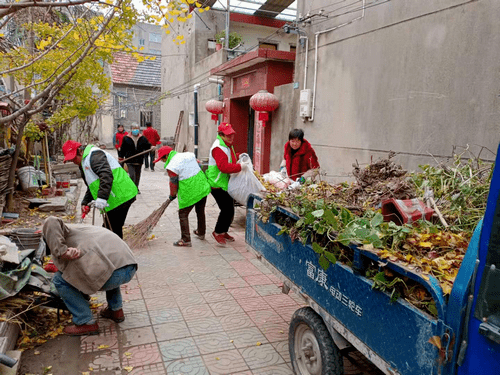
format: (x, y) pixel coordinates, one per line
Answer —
(220, 239)
(116, 316)
(50, 267)
(228, 238)
(84, 329)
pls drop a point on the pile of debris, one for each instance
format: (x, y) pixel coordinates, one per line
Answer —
(379, 181)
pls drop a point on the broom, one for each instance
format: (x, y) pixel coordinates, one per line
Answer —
(137, 235)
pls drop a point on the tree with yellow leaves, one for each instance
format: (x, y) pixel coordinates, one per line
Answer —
(56, 57)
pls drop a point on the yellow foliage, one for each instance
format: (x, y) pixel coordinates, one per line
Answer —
(436, 341)
(425, 244)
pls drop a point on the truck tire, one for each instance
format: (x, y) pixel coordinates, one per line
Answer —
(312, 350)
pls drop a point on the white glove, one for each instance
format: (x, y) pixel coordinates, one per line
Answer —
(244, 158)
(244, 166)
(100, 204)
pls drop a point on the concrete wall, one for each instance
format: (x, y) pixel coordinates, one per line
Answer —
(133, 104)
(107, 129)
(414, 77)
(183, 67)
(283, 120)
(253, 34)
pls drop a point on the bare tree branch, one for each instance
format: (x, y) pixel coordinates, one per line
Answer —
(9, 8)
(90, 48)
(53, 46)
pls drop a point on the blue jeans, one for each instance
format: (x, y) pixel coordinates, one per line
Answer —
(79, 306)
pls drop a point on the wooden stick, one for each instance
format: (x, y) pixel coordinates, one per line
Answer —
(139, 154)
(441, 218)
(46, 158)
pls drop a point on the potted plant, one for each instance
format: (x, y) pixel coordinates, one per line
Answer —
(234, 39)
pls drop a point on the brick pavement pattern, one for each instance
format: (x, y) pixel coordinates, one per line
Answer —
(199, 310)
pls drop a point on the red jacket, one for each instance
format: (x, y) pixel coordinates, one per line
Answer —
(304, 159)
(119, 139)
(223, 163)
(152, 136)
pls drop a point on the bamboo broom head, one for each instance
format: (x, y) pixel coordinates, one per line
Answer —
(137, 235)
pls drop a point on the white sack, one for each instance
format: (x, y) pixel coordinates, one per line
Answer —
(244, 183)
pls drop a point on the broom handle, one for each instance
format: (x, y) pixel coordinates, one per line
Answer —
(139, 154)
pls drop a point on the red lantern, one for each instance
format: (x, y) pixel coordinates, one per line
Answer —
(215, 107)
(264, 102)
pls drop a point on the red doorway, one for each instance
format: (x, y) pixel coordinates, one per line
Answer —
(244, 76)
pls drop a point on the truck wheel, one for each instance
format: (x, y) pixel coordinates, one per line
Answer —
(312, 350)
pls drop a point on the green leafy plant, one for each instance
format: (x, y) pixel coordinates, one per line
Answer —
(460, 190)
(234, 38)
(325, 257)
(381, 283)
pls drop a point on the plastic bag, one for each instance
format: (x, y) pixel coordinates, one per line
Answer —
(244, 183)
(277, 179)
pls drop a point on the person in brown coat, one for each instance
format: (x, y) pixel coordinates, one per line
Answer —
(88, 258)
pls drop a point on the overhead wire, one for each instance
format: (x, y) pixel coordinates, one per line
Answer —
(359, 8)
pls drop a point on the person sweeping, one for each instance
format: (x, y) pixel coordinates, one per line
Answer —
(189, 184)
(108, 185)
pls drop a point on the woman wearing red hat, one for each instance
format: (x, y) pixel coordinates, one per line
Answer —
(108, 185)
(187, 181)
(221, 163)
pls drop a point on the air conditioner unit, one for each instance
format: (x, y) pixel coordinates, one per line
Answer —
(305, 102)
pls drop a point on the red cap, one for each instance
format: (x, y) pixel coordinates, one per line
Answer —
(226, 128)
(69, 149)
(163, 151)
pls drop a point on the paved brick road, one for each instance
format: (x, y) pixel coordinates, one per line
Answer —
(199, 310)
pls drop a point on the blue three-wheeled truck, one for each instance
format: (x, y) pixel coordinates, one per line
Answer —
(345, 312)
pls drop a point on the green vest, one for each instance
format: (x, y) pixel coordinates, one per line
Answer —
(123, 188)
(193, 184)
(215, 177)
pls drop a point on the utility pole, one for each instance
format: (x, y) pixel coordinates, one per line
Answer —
(226, 42)
(196, 88)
